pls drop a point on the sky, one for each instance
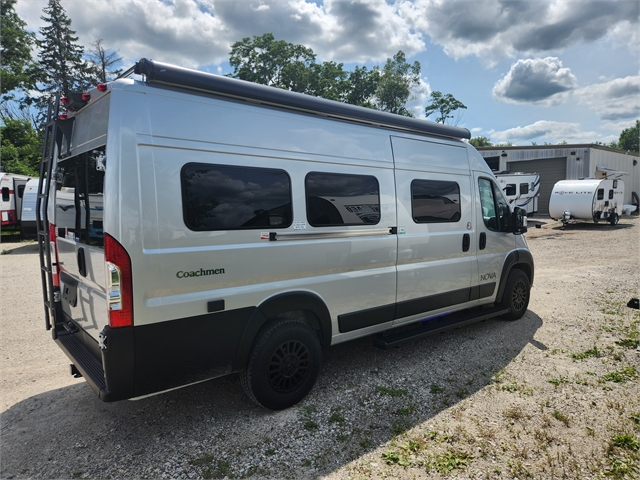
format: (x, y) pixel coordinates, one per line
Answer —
(527, 70)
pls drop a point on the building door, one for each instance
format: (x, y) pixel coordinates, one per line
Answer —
(551, 170)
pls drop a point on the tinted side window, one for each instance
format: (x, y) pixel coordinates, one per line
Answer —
(222, 197)
(435, 201)
(510, 189)
(79, 197)
(610, 194)
(21, 190)
(336, 199)
(5, 194)
(600, 193)
(495, 211)
(524, 188)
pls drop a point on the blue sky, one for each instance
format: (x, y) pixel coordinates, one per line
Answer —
(527, 70)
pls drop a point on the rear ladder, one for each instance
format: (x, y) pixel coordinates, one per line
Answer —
(47, 264)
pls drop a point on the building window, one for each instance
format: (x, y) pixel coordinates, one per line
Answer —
(223, 197)
(435, 201)
(524, 188)
(339, 200)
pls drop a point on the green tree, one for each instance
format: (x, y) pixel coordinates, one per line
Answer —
(443, 105)
(16, 70)
(61, 63)
(629, 138)
(394, 84)
(21, 147)
(481, 142)
(361, 87)
(272, 62)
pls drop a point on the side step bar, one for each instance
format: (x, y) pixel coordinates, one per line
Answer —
(390, 339)
(87, 364)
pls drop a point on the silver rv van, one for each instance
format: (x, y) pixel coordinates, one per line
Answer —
(197, 225)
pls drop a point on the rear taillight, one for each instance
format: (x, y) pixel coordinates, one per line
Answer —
(119, 284)
(54, 255)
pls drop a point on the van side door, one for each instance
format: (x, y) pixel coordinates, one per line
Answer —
(495, 239)
(435, 234)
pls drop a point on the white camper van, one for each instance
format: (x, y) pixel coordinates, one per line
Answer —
(12, 187)
(242, 228)
(587, 199)
(521, 189)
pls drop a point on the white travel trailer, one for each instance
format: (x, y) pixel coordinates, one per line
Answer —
(587, 199)
(245, 227)
(29, 199)
(12, 187)
(521, 189)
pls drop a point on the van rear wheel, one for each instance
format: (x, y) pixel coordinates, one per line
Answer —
(283, 366)
(516, 294)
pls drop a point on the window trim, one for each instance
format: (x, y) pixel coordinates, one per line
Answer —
(257, 227)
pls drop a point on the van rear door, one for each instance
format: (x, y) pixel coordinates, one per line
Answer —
(79, 238)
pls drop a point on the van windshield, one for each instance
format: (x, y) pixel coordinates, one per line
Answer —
(79, 197)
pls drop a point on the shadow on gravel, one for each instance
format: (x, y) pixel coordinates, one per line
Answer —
(593, 226)
(364, 397)
(21, 248)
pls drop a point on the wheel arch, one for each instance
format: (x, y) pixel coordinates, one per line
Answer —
(306, 306)
(520, 259)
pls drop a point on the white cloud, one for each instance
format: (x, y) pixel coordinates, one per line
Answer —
(613, 101)
(420, 94)
(547, 131)
(541, 81)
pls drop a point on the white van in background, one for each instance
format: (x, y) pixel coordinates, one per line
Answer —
(222, 226)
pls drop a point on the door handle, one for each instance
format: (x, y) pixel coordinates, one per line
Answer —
(82, 263)
(466, 242)
(483, 241)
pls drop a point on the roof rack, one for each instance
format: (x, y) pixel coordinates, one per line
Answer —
(171, 75)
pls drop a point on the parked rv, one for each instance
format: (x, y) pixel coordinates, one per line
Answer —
(587, 199)
(521, 189)
(242, 228)
(29, 199)
(12, 187)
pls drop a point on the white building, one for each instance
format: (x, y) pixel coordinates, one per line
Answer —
(564, 162)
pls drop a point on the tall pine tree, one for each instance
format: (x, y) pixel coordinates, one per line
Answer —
(62, 67)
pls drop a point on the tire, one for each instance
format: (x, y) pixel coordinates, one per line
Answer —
(614, 219)
(516, 295)
(283, 366)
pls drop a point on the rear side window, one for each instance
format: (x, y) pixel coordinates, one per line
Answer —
(434, 201)
(223, 197)
(524, 188)
(610, 194)
(338, 200)
(510, 189)
(79, 197)
(5, 194)
(600, 193)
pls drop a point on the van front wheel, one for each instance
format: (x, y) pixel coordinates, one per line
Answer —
(516, 294)
(283, 366)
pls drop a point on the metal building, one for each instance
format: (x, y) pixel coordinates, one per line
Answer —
(564, 162)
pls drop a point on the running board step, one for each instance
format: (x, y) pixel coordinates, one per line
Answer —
(390, 339)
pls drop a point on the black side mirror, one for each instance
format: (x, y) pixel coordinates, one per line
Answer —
(519, 217)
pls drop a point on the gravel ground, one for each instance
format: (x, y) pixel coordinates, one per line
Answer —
(552, 395)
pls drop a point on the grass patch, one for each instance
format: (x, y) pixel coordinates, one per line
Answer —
(435, 389)
(591, 353)
(449, 461)
(556, 382)
(627, 442)
(560, 417)
(394, 392)
(515, 413)
(622, 376)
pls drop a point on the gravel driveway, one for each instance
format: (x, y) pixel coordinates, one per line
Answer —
(554, 394)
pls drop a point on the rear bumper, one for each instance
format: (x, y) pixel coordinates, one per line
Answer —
(109, 371)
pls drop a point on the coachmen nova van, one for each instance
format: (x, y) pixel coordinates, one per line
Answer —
(197, 225)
